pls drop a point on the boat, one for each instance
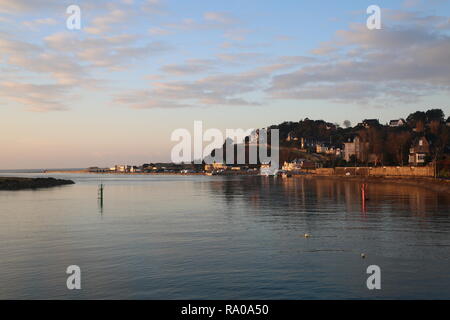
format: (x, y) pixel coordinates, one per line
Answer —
(286, 175)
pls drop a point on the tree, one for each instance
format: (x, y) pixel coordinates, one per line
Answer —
(397, 145)
(441, 141)
(416, 116)
(376, 143)
(364, 146)
(435, 127)
(434, 115)
(417, 120)
(347, 124)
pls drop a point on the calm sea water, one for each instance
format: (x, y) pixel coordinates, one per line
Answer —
(173, 237)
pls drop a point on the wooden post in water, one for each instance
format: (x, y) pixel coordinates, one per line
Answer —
(100, 197)
(100, 192)
(363, 198)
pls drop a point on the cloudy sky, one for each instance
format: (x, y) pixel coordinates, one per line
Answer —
(114, 91)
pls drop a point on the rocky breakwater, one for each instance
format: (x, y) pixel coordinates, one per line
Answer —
(10, 183)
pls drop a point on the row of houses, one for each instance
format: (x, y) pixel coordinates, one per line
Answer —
(299, 165)
(117, 169)
(317, 146)
(223, 167)
(356, 149)
(370, 123)
(145, 168)
(125, 169)
(396, 123)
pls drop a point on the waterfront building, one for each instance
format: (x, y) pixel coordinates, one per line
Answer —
(292, 166)
(418, 152)
(215, 166)
(123, 168)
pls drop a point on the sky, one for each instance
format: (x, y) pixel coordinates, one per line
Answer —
(114, 91)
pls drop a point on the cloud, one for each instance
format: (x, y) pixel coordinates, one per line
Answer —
(239, 34)
(140, 100)
(400, 63)
(154, 6)
(225, 61)
(240, 57)
(38, 73)
(411, 3)
(25, 6)
(105, 23)
(220, 89)
(283, 37)
(111, 52)
(245, 45)
(401, 17)
(67, 61)
(35, 24)
(192, 66)
(38, 59)
(208, 91)
(405, 61)
(158, 31)
(9, 46)
(36, 98)
(220, 17)
(209, 21)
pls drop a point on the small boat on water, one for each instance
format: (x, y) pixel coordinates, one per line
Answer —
(266, 170)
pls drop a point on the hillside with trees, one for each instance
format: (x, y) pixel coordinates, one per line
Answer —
(383, 144)
(425, 133)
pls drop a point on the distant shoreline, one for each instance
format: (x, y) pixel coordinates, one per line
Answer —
(438, 185)
(231, 173)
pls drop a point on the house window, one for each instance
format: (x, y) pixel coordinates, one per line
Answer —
(421, 142)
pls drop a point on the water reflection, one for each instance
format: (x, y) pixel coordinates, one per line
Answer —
(100, 206)
(173, 237)
(306, 194)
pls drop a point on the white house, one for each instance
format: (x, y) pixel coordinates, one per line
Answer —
(397, 123)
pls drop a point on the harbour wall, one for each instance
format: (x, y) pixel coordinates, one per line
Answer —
(377, 171)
